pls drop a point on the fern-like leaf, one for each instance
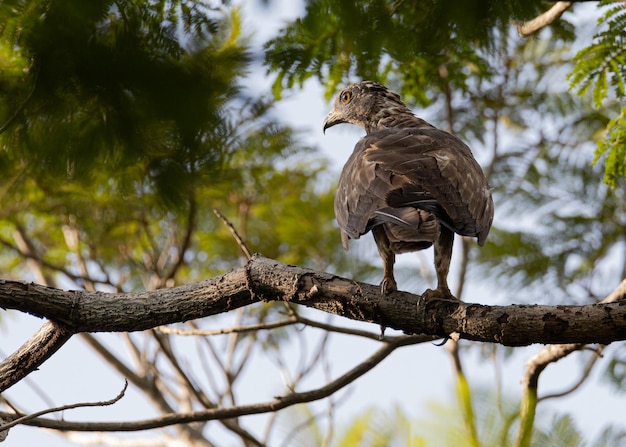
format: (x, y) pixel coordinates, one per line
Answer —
(600, 69)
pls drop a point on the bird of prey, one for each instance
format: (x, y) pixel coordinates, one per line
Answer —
(411, 184)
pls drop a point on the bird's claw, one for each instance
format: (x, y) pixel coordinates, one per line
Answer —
(387, 286)
(439, 294)
(442, 342)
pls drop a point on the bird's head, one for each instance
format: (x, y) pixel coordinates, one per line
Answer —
(365, 104)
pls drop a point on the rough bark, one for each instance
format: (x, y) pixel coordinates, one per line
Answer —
(39, 348)
(264, 279)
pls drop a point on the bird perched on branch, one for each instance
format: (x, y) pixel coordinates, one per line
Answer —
(411, 184)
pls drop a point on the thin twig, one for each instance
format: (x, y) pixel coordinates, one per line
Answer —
(331, 403)
(233, 231)
(37, 414)
(186, 243)
(229, 330)
(224, 413)
(538, 362)
(585, 374)
(201, 397)
(357, 332)
(616, 295)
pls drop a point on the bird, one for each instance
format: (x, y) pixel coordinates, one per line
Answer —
(409, 183)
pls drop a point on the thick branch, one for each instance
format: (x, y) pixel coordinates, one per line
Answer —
(536, 365)
(45, 342)
(266, 279)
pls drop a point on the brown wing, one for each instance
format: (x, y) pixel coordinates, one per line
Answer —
(425, 169)
(360, 204)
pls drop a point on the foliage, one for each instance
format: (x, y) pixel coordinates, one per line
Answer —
(117, 84)
(505, 97)
(600, 70)
(135, 102)
(444, 425)
(557, 228)
(123, 125)
(408, 45)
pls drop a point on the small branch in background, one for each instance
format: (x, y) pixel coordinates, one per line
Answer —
(233, 231)
(463, 392)
(537, 363)
(186, 242)
(33, 257)
(32, 354)
(616, 295)
(274, 405)
(29, 417)
(229, 330)
(588, 367)
(525, 29)
(534, 367)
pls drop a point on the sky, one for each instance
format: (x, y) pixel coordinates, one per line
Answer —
(412, 377)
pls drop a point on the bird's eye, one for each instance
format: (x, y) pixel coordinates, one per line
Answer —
(345, 97)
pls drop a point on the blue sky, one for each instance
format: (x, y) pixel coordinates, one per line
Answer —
(411, 377)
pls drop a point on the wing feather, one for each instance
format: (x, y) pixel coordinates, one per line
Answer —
(424, 169)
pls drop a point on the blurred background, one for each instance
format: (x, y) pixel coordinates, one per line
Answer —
(124, 124)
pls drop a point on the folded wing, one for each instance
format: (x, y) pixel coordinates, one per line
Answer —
(403, 179)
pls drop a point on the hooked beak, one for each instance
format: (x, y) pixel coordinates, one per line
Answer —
(331, 119)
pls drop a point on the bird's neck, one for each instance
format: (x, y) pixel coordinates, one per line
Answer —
(398, 117)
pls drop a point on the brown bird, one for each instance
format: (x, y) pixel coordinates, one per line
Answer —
(410, 183)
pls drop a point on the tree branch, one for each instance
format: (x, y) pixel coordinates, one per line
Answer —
(532, 26)
(264, 279)
(39, 348)
(226, 413)
(539, 362)
(29, 417)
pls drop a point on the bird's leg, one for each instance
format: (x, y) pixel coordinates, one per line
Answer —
(388, 284)
(443, 255)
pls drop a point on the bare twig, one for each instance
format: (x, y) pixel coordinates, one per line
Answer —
(534, 367)
(532, 26)
(34, 259)
(29, 417)
(225, 413)
(71, 235)
(242, 244)
(37, 262)
(586, 371)
(537, 363)
(616, 295)
(229, 330)
(189, 384)
(331, 403)
(351, 331)
(186, 242)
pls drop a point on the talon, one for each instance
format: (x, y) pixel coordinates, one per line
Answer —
(388, 285)
(382, 332)
(439, 294)
(443, 342)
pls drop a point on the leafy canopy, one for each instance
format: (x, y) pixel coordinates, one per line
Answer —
(123, 124)
(117, 84)
(600, 69)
